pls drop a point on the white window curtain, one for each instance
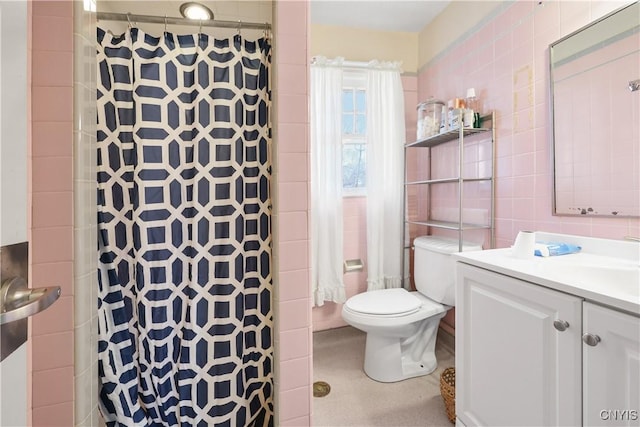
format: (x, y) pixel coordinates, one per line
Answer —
(326, 181)
(385, 174)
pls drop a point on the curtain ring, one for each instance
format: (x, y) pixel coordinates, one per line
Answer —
(165, 23)
(200, 30)
(239, 27)
(129, 20)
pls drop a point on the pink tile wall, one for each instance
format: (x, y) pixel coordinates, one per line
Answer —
(507, 62)
(329, 315)
(291, 201)
(520, 111)
(52, 232)
(52, 209)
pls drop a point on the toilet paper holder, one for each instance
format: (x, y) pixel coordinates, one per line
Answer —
(351, 265)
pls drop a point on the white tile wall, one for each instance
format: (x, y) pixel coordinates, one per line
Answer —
(85, 227)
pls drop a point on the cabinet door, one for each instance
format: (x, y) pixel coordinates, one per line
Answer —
(611, 375)
(513, 367)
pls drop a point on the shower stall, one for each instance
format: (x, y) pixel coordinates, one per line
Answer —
(137, 252)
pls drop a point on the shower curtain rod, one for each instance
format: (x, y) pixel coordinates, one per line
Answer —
(168, 20)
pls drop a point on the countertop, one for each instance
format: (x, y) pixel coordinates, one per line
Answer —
(605, 279)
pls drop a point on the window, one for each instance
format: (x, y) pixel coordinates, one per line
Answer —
(354, 135)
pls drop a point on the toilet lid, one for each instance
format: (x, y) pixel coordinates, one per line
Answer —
(384, 302)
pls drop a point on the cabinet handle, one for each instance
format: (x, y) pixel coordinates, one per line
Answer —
(591, 339)
(561, 325)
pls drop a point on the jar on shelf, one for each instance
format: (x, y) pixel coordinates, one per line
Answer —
(429, 118)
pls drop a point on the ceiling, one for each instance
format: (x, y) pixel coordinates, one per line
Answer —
(390, 15)
(395, 15)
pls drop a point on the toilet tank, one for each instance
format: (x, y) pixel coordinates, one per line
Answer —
(434, 267)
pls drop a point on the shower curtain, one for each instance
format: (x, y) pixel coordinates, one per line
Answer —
(185, 317)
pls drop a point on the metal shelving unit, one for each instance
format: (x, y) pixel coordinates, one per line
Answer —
(450, 135)
(458, 135)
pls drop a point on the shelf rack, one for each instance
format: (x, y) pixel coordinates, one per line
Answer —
(452, 135)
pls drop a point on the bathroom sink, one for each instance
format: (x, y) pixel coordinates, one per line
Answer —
(592, 271)
(605, 271)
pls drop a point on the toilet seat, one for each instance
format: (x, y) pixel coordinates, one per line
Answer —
(385, 302)
(399, 315)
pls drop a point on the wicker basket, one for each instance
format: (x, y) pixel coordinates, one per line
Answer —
(448, 391)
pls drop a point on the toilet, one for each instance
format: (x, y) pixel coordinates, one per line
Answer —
(401, 326)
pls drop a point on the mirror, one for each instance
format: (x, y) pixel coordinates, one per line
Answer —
(595, 110)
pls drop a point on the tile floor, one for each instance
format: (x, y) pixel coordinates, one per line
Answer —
(357, 400)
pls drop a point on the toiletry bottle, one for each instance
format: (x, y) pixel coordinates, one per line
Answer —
(454, 113)
(468, 119)
(444, 119)
(473, 104)
(420, 131)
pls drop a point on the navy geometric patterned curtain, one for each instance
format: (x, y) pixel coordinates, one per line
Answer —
(185, 317)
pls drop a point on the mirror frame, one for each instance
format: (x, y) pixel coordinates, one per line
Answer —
(552, 115)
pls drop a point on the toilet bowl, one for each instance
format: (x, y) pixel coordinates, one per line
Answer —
(400, 341)
(401, 326)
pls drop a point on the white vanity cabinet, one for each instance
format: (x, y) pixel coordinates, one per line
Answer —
(522, 356)
(513, 367)
(611, 379)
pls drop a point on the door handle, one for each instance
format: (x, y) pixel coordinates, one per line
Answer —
(19, 302)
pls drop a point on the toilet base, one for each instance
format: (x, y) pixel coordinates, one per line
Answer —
(390, 359)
